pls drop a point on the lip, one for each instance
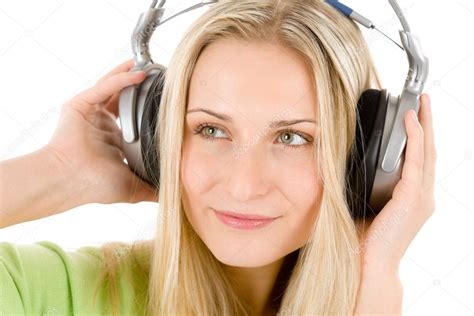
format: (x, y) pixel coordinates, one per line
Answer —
(243, 221)
(245, 216)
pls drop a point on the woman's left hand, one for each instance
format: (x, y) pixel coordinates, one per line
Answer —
(393, 229)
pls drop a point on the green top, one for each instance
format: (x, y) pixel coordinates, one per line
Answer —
(44, 279)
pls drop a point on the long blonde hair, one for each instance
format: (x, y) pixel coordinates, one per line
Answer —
(184, 277)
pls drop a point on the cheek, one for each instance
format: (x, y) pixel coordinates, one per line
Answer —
(198, 166)
(190, 173)
(303, 189)
(299, 181)
(294, 184)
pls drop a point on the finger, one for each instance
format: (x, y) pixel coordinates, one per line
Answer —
(104, 121)
(113, 138)
(426, 121)
(123, 67)
(412, 171)
(103, 90)
(112, 104)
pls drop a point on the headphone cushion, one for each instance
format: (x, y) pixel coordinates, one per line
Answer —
(362, 165)
(149, 141)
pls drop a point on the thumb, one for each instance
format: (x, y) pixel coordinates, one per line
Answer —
(142, 191)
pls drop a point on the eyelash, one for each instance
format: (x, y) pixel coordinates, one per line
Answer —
(200, 128)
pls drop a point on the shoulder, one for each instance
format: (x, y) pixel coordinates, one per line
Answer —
(45, 278)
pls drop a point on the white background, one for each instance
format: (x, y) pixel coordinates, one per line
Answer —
(51, 50)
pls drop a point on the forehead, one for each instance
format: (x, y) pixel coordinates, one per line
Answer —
(252, 78)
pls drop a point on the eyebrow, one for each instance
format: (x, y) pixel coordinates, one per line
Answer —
(227, 118)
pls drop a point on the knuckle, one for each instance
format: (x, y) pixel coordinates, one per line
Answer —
(101, 81)
(433, 204)
(405, 190)
(430, 207)
(101, 121)
(70, 104)
(434, 155)
(96, 90)
(428, 202)
(117, 136)
(66, 106)
(418, 164)
(421, 132)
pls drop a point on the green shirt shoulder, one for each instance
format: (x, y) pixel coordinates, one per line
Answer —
(44, 279)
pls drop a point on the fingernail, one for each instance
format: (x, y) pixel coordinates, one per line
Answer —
(428, 103)
(414, 117)
(137, 72)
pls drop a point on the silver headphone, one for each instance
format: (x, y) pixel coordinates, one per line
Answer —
(380, 133)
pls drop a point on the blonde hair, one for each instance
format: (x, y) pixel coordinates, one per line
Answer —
(184, 277)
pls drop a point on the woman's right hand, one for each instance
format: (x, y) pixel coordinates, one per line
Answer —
(87, 141)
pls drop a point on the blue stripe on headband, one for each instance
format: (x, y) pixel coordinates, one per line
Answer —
(341, 7)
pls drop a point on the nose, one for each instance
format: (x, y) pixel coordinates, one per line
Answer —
(248, 174)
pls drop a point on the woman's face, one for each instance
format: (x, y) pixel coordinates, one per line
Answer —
(241, 162)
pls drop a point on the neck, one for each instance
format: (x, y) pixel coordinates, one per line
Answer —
(262, 287)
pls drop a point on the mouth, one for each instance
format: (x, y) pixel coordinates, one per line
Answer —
(243, 221)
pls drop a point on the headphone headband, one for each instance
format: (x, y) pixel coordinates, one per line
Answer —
(380, 132)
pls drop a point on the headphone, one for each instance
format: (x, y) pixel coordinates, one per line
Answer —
(372, 172)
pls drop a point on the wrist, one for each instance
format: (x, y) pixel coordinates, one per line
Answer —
(377, 265)
(36, 185)
(65, 183)
(380, 291)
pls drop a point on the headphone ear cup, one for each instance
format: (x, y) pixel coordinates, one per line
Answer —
(149, 140)
(362, 165)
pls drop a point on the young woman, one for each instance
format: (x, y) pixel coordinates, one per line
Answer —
(240, 67)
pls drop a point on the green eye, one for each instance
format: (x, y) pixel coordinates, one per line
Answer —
(210, 131)
(287, 137)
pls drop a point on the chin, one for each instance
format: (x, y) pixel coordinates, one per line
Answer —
(248, 254)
